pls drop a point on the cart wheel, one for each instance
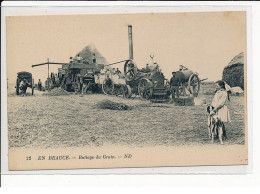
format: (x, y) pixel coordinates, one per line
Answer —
(108, 87)
(17, 86)
(194, 85)
(32, 87)
(127, 91)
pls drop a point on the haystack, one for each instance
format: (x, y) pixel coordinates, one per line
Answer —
(87, 54)
(233, 73)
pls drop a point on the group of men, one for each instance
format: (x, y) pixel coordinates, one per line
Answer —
(81, 86)
(80, 59)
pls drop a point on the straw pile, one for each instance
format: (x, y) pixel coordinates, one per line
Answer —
(56, 92)
(233, 73)
(87, 54)
(107, 104)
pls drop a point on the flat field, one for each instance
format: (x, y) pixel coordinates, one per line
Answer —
(74, 121)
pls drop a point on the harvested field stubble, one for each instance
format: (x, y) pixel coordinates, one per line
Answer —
(62, 121)
(56, 92)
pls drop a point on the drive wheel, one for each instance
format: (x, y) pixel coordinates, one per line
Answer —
(144, 89)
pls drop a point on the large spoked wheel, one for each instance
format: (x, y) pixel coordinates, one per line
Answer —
(32, 86)
(144, 89)
(130, 70)
(194, 85)
(108, 87)
(127, 92)
(17, 86)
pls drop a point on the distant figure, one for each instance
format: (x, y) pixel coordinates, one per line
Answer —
(154, 67)
(147, 67)
(78, 58)
(23, 87)
(108, 81)
(85, 87)
(71, 60)
(80, 84)
(40, 85)
(131, 70)
(56, 79)
(94, 58)
(181, 68)
(118, 71)
(175, 84)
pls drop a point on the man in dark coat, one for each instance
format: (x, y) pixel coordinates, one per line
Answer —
(40, 85)
(175, 84)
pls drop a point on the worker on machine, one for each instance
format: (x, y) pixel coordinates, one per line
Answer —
(78, 58)
(181, 68)
(153, 66)
(175, 84)
(147, 68)
(71, 60)
(94, 58)
(131, 70)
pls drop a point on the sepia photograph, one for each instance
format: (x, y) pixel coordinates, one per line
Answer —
(127, 90)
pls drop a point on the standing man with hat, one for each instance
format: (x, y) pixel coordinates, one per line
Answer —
(40, 85)
(175, 84)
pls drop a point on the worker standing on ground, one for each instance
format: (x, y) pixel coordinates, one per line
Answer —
(85, 87)
(80, 84)
(175, 84)
(40, 85)
(21, 87)
(118, 71)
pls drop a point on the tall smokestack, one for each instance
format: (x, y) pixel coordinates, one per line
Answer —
(130, 38)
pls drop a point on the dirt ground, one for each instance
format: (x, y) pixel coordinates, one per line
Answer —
(75, 121)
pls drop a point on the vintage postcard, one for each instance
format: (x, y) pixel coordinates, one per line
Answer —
(127, 90)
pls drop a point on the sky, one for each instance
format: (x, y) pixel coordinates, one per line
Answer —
(205, 42)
